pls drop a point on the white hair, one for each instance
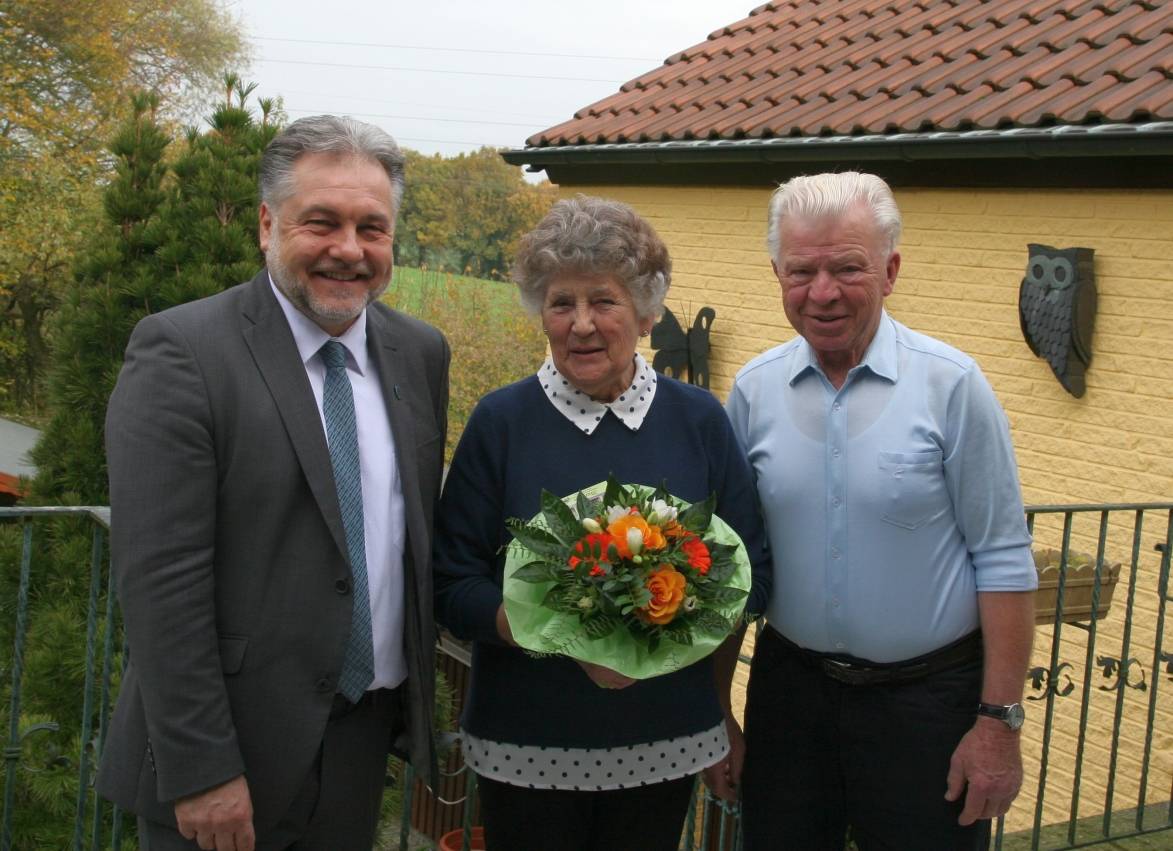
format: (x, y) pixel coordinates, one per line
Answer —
(816, 196)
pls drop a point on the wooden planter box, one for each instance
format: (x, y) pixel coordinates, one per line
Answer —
(1077, 592)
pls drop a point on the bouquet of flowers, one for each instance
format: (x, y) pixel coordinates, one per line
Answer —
(625, 576)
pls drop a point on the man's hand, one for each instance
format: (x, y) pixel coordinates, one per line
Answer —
(724, 777)
(605, 677)
(987, 764)
(220, 819)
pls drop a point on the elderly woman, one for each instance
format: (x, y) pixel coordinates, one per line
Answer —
(570, 755)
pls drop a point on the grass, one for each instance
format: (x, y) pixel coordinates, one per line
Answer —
(494, 341)
(411, 290)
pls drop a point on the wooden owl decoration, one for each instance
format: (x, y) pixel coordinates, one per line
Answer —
(679, 350)
(1057, 309)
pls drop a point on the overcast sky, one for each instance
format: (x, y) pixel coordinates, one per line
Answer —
(449, 76)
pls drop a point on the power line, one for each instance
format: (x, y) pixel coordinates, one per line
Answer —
(438, 71)
(535, 119)
(456, 49)
(425, 118)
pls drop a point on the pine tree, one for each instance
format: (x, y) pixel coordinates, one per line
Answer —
(171, 236)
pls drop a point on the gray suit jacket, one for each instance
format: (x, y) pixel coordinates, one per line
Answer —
(229, 552)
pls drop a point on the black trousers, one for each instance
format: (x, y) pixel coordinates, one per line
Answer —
(823, 756)
(644, 818)
(337, 808)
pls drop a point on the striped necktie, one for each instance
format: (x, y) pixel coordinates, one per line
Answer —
(358, 666)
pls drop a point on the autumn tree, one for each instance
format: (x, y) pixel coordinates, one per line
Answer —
(169, 234)
(467, 212)
(65, 66)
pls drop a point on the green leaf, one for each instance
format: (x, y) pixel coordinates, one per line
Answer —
(616, 494)
(679, 632)
(584, 506)
(710, 622)
(696, 517)
(560, 519)
(562, 599)
(539, 571)
(722, 594)
(599, 626)
(537, 540)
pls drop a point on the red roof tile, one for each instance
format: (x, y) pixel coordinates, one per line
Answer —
(854, 67)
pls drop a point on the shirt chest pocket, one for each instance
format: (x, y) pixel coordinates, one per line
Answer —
(912, 487)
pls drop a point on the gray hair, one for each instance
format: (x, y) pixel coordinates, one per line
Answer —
(585, 235)
(815, 196)
(328, 134)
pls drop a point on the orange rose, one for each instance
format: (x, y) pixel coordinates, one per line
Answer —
(653, 538)
(667, 587)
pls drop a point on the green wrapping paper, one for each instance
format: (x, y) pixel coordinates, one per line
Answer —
(543, 631)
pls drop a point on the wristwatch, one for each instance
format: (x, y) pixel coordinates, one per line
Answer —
(1012, 716)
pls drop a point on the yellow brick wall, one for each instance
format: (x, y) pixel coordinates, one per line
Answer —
(964, 254)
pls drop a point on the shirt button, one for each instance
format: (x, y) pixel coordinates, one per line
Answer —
(835, 602)
(324, 684)
(836, 406)
(835, 502)
(342, 586)
(834, 453)
(834, 552)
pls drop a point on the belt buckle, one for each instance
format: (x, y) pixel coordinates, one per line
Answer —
(844, 672)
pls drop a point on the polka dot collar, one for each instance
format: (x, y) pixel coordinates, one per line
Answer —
(630, 407)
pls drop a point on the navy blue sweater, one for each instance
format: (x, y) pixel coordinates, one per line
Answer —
(514, 445)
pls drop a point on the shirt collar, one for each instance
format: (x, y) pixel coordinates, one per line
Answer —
(310, 338)
(631, 406)
(880, 356)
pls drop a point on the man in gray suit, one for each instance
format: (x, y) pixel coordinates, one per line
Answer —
(275, 454)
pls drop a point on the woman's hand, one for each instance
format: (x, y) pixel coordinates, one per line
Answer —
(605, 677)
(503, 628)
(724, 777)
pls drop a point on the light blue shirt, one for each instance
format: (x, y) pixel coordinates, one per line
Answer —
(891, 502)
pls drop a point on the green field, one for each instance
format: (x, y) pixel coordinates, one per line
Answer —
(494, 341)
(411, 289)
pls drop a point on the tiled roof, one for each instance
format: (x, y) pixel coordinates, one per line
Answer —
(809, 68)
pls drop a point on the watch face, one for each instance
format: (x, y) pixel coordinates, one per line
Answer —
(1015, 716)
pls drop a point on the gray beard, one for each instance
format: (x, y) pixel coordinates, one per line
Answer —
(300, 296)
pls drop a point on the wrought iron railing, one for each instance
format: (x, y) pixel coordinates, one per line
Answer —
(1098, 748)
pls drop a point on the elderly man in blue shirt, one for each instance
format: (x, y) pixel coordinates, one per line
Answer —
(885, 687)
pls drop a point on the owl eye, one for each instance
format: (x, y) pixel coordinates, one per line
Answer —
(1061, 273)
(1038, 268)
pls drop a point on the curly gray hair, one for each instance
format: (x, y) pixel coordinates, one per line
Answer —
(813, 196)
(585, 235)
(327, 134)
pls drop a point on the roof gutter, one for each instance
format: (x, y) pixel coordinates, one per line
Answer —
(1031, 143)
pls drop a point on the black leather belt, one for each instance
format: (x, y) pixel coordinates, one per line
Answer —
(854, 671)
(343, 707)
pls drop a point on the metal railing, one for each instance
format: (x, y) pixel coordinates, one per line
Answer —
(1097, 748)
(89, 818)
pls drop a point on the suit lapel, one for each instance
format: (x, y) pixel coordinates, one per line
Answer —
(267, 335)
(396, 385)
